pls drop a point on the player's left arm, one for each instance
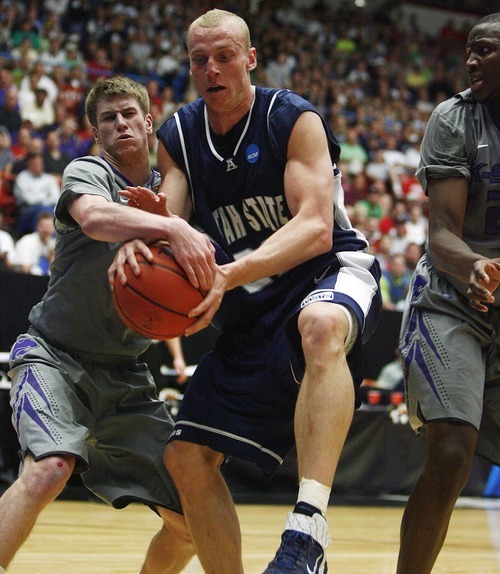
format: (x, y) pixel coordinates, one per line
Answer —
(308, 179)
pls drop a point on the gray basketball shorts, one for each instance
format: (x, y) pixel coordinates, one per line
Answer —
(107, 416)
(451, 356)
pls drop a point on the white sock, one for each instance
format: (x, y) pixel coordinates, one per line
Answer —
(313, 492)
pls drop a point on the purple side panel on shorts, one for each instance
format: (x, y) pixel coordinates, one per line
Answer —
(415, 353)
(21, 347)
(26, 406)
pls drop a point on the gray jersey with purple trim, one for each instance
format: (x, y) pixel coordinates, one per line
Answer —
(77, 313)
(462, 140)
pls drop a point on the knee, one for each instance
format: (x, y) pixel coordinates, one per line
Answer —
(450, 459)
(323, 330)
(46, 478)
(190, 464)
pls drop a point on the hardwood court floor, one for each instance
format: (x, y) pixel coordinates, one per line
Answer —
(80, 537)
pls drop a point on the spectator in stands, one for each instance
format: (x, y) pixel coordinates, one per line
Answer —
(71, 144)
(35, 191)
(5, 35)
(6, 245)
(398, 233)
(413, 253)
(10, 116)
(163, 63)
(279, 70)
(394, 283)
(35, 146)
(383, 251)
(6, 155)
(38, 78)
(34, 252)
(139, 47)
(417, 225)
(72, 91)
(6, 83)
(372, 203)
(169, 104)
(98, 62)
(39, 112)
(54, 54)
(54, 159)
(26, 30)
(377, 168)
(72, 55)
(21, 145)
(25, 56)
(353, 154)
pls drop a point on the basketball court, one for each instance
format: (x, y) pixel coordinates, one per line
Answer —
(82, 537)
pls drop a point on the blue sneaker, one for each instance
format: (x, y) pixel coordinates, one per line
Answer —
(302, 549)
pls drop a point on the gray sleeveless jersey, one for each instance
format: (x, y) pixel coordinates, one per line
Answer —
(77, 313)
(462, 140)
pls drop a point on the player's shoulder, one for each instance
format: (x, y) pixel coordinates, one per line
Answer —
(283, 97)
(87, 163)
(456, 105)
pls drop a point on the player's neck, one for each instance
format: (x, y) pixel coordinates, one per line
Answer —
(136, 173)
(222, 122)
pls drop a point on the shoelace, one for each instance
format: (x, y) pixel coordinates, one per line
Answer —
(290, 552)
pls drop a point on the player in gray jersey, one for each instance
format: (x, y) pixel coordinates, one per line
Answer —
(450, 337)
(81, 401)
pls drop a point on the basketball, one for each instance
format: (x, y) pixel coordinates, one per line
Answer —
(156, 303)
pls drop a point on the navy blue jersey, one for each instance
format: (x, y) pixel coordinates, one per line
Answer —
(237, 189)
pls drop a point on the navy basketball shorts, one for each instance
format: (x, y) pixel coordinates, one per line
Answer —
(241, 398)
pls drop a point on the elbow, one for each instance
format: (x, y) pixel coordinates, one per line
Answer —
(324, 239)
(91, 222)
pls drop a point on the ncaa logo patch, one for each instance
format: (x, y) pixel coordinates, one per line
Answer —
(252, 153)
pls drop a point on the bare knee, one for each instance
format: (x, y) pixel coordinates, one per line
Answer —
(189, 464)
(46, 478)
(450, 450)
(323, 328)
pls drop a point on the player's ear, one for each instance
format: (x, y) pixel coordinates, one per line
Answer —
(97, 137)
(149, 123)
(252, 59)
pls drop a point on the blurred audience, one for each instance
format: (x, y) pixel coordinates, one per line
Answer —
(35, 191)
(34, 252)
(394, 283)
(374, 75)
(6, 246)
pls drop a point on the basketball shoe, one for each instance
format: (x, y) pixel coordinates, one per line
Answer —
(302, 549)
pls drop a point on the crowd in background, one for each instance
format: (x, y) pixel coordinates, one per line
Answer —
(374, 81)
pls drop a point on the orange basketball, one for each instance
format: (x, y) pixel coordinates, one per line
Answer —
(156, 303)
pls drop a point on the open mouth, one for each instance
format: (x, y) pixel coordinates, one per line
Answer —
(215, 89)
(475, 82)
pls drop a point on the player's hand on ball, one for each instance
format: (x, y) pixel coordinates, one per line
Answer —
(146, 200)
(127, 254)
(483, 282)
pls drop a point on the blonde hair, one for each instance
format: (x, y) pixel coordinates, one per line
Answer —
(216, 17)
(115, 86)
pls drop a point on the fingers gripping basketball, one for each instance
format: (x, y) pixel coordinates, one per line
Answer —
(157, 302)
